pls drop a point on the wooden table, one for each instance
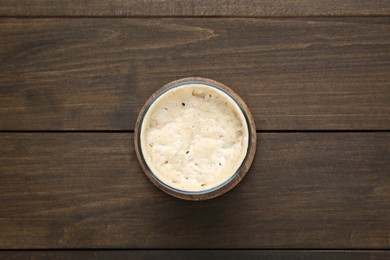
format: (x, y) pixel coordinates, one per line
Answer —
(75, 74)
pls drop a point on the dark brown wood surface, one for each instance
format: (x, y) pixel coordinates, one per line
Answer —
(315, 74)
(294, 74)
(86, 190)
(246, 8)
(199, 254)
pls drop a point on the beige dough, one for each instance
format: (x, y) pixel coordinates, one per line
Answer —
(194, 137)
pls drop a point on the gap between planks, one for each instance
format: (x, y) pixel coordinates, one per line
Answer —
(132, 131)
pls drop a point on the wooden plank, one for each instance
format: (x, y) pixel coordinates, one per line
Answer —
(197, 254)
(95, 74)
(247, 8)
(86, 190)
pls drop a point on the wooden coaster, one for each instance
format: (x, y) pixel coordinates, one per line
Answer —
(215, 191)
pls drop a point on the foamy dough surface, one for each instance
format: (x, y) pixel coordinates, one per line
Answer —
(194, 137)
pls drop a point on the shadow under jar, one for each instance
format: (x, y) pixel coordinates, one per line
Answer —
(195, 138)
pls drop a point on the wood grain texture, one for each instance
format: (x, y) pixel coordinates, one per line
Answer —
(304, 190)
(198, 254)
(294, 74)
(251, 8)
